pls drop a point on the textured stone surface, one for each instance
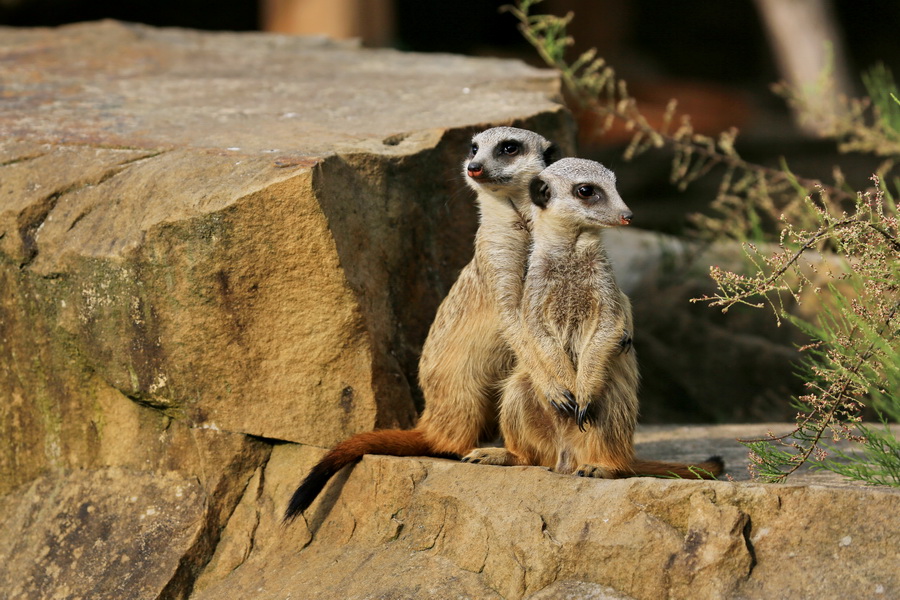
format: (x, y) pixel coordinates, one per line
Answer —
(420, 528)
(140, 524)
(247, 232)
(106, 534)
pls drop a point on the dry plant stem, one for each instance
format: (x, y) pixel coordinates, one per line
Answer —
(801, 459)
(714, 157)
(635, 120)
(809, 244)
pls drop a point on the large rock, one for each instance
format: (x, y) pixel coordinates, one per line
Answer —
(247, 232)
(207, 242)
(422, 528)
(699, 364)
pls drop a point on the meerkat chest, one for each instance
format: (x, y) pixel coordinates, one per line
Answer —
(567, 303)
(574, 295)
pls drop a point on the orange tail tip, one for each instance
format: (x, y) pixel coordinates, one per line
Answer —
(390, 442)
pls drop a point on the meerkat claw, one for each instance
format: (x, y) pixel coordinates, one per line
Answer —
(581, 417)
(571, 404)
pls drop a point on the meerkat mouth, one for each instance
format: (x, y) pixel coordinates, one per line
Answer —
(483, 178)
(494, 183)
(601, 222)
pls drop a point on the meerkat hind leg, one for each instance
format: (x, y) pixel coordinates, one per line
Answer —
(493, 456)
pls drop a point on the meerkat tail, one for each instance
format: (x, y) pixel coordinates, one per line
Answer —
(391, 442)
(707, 469)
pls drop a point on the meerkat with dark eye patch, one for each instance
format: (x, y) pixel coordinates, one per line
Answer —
(466, 355)
(577, 413)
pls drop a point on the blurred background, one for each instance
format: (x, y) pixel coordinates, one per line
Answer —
(719, 59)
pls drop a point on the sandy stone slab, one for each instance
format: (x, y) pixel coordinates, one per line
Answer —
(520, 532)
(111, 83)
(98, 534)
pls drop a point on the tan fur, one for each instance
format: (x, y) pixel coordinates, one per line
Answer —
(466, 356)
(572, 322)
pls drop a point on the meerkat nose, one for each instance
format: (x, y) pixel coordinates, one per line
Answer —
(625, 217)
(475, 169)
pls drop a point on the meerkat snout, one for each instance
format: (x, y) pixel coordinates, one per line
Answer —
(474, 169)
(625, 217)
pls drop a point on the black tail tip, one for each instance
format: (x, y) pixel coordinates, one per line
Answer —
(295, 508)
(309, 489)
(717, 461)
(304, 496)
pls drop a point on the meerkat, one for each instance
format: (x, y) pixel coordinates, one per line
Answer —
(466, 354)
(577, 412)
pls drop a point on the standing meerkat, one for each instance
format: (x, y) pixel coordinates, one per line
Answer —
(465, 356)
(571, 403)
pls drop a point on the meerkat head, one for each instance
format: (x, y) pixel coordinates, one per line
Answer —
(503, 160)
(580, 193)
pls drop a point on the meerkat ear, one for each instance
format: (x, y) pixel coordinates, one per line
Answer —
(540, 192)
(551, 155)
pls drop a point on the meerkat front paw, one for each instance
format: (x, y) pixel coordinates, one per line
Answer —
(570, 408)
(595, 471)
(491, 456)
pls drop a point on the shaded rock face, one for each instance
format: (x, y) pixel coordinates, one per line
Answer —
(698, 364)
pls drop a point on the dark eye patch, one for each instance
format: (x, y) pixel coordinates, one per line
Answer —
(510, 148)
(551, 155)
(473, 150)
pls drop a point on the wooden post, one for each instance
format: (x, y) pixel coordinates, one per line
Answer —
(370, 20)
(800, 33)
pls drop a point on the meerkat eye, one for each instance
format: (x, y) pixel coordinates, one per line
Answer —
(585, 192)
(473, 150)
(510, 148)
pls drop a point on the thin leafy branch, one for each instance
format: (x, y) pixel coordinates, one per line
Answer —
(854, 350)
(815, 424)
